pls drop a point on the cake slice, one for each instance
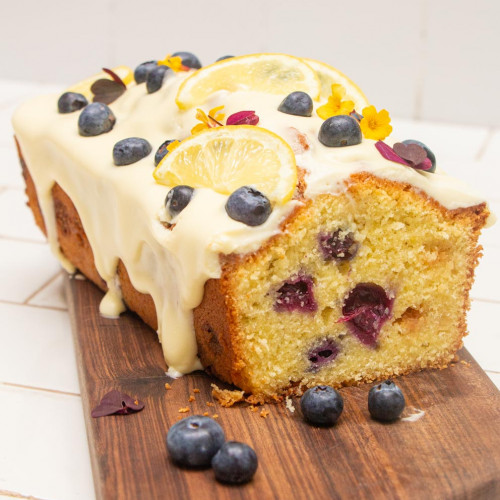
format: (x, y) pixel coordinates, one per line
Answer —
(281, 241)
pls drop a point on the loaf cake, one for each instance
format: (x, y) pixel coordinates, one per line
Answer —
(257, 213)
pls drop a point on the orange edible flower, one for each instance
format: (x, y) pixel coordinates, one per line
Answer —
(375, 125)
(213, 119)
(335, 105)
(174, 63)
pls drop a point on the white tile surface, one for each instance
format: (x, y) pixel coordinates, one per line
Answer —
(25, 268)
(495, 377)
(487, 282)
(37, 348)
(52, 295)
(44, 447)
(16, 219)
(492, 152)
(10, 168)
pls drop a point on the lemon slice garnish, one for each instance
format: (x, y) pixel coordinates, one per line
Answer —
(124, 72)
(227, 158)
(328, 75)
(271, 73)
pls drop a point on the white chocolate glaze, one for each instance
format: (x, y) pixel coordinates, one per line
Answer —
(121, 207)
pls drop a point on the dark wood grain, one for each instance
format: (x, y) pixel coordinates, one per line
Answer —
(453, 451)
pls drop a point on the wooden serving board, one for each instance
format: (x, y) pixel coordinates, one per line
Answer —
(452, 451)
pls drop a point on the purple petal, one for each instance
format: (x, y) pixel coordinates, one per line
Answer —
(425, 165)
(388, 153)
(116, 403)
(243, 118)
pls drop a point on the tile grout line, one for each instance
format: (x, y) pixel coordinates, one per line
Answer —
(22, 240)
(36, 306)
(485, 144)
(15, 494)
(46, 284)
(487, 301)
(39, 389)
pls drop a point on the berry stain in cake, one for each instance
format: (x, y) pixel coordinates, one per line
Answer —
(323, 354)
(339, 245)
(296, 294)
(365, 310)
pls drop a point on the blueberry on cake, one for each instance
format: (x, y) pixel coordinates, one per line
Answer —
(257, 213)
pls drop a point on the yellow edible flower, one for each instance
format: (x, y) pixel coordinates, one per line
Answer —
(375, 125)
(213, 119)
(335, 105)
(174, 63)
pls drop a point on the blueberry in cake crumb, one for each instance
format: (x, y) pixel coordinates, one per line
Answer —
(130, 150)
(234, 463)
(386, 401)
(297, 103)
(162, 151)
(95, 119)
(365, 310)
(339, 245)
(430, 154)
(178, 199)
(193, 441)
(188, 59)
(323, 354)
(155, 78)
(248, 205)
(322, 405)
(296, 294)
(71, 101)
(142, 71)
(223, 57)
(339, 131)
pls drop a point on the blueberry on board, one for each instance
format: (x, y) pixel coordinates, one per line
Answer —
(188, 59)
(248, 205)
(177, 199)
(322, 405)
(95, 119)
(339, 131)
(223, 57)
(71, 101)
(234, 463)
(162, 151)
(430, 154)
(156, 77)
(386, 401)
(142, 71)
(130, 150)
(297, 103)
(193, 441)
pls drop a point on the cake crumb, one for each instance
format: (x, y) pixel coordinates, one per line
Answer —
(215, 416)
(179, 417)
(205, 413)
(253, 408)
(264, 413)
(184, 410)
(196, 391)
(466, 363)
(191, 399)
(289, 404)
(226, 397)
(210, 404)
(168, 386)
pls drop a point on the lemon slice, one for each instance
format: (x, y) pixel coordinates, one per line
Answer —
(124, 72)
(272, 73)
(227, 158)
(328, 75)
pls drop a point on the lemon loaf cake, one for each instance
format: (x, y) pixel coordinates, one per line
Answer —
(258, 215)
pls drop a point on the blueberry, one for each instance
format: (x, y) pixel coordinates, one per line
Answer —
(430, 154)
(339, 131)
(177, 199)
(193, 441)
(96, 119)
(249, 206)
(162, 151)
(297, 103)
(71, 101)
(339, 245)
(322, 354)
(234, 463)
(156, 77)
(386, 401)
(322, 405)
(142, 71)
(296, 294)
(188, 59)
(130, 150)
(223, 57)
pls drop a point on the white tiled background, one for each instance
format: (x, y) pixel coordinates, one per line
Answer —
(431, 61)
